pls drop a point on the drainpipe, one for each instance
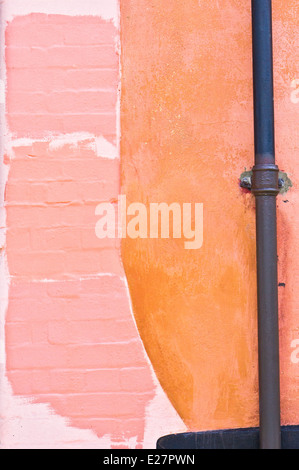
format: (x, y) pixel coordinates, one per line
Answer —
(265, 188)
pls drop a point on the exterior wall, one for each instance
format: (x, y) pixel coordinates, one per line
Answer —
(76, 370)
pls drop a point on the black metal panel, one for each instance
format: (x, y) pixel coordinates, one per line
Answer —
(226, 439)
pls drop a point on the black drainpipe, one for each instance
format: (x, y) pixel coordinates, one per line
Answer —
(265, 188)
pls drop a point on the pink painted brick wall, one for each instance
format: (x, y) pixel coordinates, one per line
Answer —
(71, 341)
(57, 81)
(51, 199)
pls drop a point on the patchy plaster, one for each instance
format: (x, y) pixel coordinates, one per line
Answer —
(287, 182)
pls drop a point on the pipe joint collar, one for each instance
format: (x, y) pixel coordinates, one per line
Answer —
(265, 179)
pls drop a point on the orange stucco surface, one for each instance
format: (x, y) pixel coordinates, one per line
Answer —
(187, 135)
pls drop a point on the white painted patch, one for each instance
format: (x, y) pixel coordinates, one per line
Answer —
(161, 418)
(2, 92)
(2, 352)
(4, 173)
(25, 425)
(4, 287)
(105, 149)
(106, 9)
(73, 139)
(99, 145)
(102, 147)
(88, 277)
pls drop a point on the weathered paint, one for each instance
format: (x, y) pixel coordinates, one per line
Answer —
(187, 133)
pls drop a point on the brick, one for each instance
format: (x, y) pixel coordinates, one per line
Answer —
(51, 34)
(36, 265)
(39, 124)
(47, 30)
(40, 381)
(99, 56)
(92, 262)
(23, 34)
(138, 380)
(62, 264)
(102, 380)
(62, 381)
(101, 33)
(51, 216)
(21, 381)
(102, 286)
(24, 192)
(91, 78)
(38, 356)
(64, 102)
(44, 356)
(19, 237)
(104, 405)
(62, 192)
(57, 79)
(59, 238)
(18, 333)
(90, 240)
(92, 331)
(106, 355)
(39, 332)
(93, 299)
(36, 169)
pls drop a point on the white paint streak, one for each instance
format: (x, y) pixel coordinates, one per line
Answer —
(88, 277)
(102, 147)
(106, 9)
(105, 149)
(2, 92)
(26, 425)
(73, 139)
(99, 145)
(3, 180)
(161, 418)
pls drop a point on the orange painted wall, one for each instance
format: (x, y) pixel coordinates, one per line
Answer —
(187, 135)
